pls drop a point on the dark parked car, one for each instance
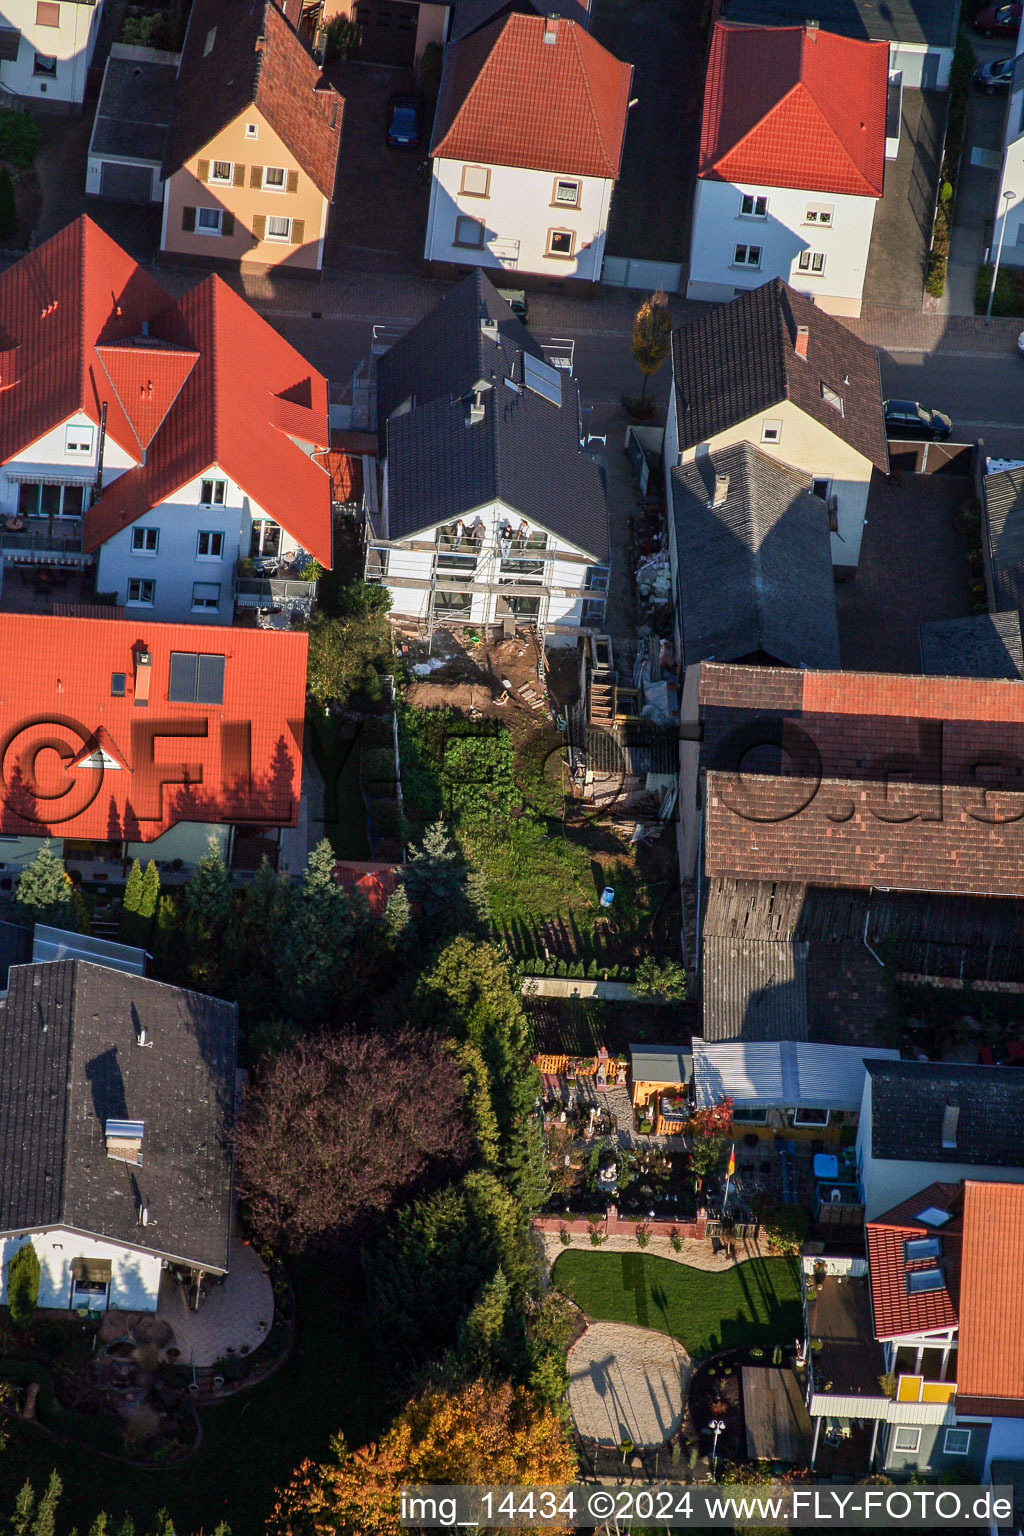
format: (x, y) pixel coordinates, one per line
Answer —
(999, 20)
(906, 418)
(405, 118)
(995, 76)
(515, 298)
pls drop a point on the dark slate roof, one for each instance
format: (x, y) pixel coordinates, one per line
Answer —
(900, 21)
(471, 15)
(754, 574)
(985, 645)
(134, 111)
(15, 949)
(69, 1061)
(524, 452)
(753, 989)
(1003, 532)
(739, 359)
(909, 1099)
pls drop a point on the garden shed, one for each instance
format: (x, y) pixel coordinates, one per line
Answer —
(129, 135)
(661, 1076)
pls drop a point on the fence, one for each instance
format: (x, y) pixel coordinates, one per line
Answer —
(614, 1225)
(931, 458)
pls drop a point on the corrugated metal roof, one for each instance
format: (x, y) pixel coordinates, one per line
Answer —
(782, 1072)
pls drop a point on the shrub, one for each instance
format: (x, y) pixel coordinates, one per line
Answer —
(665, 983)
(379, 765)
(676, 1240)
(783, 1225)
(341, 36)
(145, 31)
(564, 1236)
(19, 138)
(643, 1234)
(430, 69)
(23, 1285)
(386, 820)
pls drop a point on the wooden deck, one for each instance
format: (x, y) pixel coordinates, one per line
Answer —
(778, 1424)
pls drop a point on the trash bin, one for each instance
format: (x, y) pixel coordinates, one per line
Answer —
(607, 896)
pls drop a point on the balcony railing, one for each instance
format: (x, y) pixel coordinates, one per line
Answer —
(32, 545)
(914, 1389)
(271, 592)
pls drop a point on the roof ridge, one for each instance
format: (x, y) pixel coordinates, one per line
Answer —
(834, 132)
(581, 62)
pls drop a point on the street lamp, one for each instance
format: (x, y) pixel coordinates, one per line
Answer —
(716, 1426)
(1008, 197)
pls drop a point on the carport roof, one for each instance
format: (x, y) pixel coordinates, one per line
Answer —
(135, 104)
(897, 21)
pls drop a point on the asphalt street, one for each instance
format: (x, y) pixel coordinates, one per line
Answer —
(984, 395)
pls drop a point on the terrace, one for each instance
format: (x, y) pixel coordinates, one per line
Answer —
(845, 1362)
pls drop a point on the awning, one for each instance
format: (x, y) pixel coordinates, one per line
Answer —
(90, 1271)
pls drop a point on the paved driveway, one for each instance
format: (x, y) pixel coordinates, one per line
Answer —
(663, 41)
(902, 231)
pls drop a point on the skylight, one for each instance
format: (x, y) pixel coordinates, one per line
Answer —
(831, 398)
(916, 1248)
(931, 1216)
(924, 1280)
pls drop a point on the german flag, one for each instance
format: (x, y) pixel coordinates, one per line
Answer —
(732, 1161)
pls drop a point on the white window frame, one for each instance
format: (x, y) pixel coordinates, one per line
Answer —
(139, 541)
(771, 431)
(744, 260)
(211, 38)
(833, 398)
(214, 500)
(209, 229)
(211, 534)
(252, 130)
(209, 604)
(275, 186)
(754, 211)
(815, 1124)
(79, 440)
(826, 481)
(285, 238)
(566, 181)
(821, 214)
(811, 263)
(465, 219)
(221, 181)
(141, 583)
(948, 1450)
(906, 1450)
(44, 66)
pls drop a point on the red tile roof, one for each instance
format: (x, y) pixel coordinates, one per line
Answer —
(795, 107)
(509, 98)
(990, 1367)
(374, 882)
(240, 761)
(895, 1311)
(198, 382)
(857, 780)
(255, 59)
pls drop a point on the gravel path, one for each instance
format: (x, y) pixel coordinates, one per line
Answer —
(627, 1383)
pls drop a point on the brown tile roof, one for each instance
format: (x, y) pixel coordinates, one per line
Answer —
(255, 59)
(990, 1367)
(897, 1312)
(853, 779)
(510, 98)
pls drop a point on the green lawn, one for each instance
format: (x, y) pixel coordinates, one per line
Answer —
(251, 1445)
(756, 1303)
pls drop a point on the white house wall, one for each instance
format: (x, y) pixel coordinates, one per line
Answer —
(783, 233)
(924, 67)
(94, 174)
(805, 445)
(518, 212)
(71, 44)
(177, 566)
(135, 1276)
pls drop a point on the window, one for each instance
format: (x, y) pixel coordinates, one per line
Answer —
(907, 1439)
(222, 171)
(812, 262)
(208, 221)
(919, 1280)
(142, 593)
(47, 13)
(469, 232)
(917, 1248)
(252, 130)
(957, 1442)
(476, 181)
(265, 541)
(45, 65)
(831, 398)
(747, 256)
(751, 1114)
(210, 546)
(279, 229)
(211, 493)
(145, 541)
(41, 500)
(211, 38)
(274, 179)
(196, 679)
(820, 486)
(78, 440)
(205, 595)
(567, 194)
(818, 213)
(752, 207)
(811, 1117)
(771, 431)
(561, 242)
(117, 682)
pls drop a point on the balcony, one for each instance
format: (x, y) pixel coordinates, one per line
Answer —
(28, 541)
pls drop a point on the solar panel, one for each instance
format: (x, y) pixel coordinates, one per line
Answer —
(924, 1280)
(210, 687)
(542, 379)
(181, 688)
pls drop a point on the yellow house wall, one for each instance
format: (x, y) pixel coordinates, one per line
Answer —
(185, 190)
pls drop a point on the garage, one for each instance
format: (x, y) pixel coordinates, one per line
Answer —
(126, 183)
(387, 32)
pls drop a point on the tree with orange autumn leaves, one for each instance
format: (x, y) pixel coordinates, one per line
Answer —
(484, 1432)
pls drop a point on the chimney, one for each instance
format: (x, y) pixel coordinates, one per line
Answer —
(143, 673)
(950, 1119)
(800, 344)
(811, 28)
(124, 1140)
(489, 328)
(551, 28)
(721, 491)
(474, 408)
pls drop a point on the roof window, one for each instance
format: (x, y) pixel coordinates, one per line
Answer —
(950, 1120)
(831, 398)
(931, 1216)
(919, 1280)
(917, 1248)
(211, 38)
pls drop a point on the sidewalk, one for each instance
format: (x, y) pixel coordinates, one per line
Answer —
(902, 330)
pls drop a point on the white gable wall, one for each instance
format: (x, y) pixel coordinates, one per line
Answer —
(48, 458)
(71, 44)
(135, 1276)
(785, 231)
(518, 214)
